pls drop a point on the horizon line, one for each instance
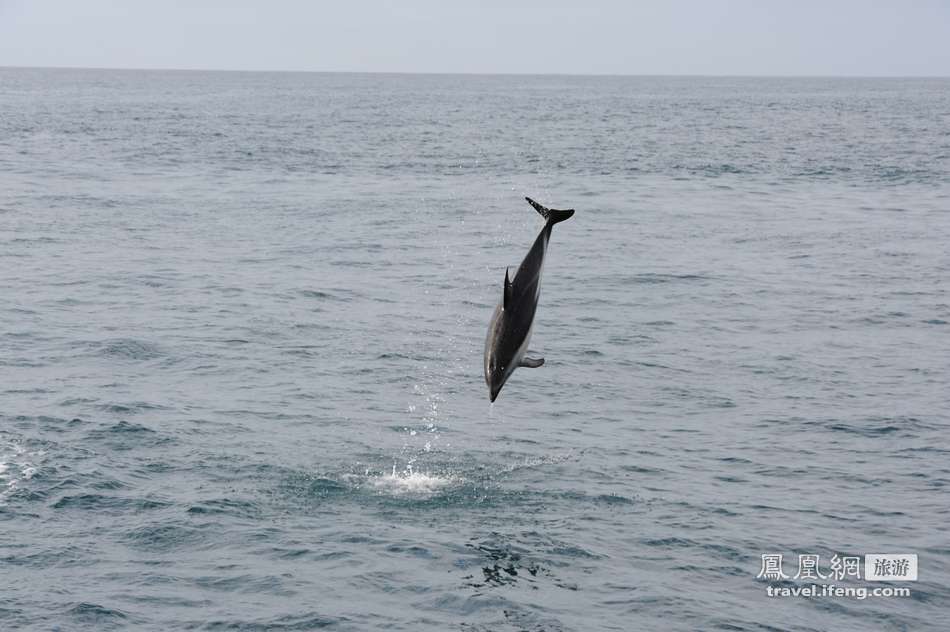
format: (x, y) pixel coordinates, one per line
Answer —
(474, 73)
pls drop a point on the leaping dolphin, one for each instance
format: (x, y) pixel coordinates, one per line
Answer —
(510, 328)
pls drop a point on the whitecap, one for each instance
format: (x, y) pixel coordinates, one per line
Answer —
(15, 467)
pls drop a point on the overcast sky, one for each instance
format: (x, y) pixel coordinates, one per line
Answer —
(714, 37)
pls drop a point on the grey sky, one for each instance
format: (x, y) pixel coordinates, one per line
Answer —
(806, 37)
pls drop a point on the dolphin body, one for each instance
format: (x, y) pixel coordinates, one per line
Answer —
(511, 324)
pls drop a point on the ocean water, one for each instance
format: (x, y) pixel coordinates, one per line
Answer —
(242, 327)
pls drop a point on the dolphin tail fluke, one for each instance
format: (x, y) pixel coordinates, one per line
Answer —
(552, 215)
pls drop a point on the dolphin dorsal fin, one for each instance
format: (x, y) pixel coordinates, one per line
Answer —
(507, 292)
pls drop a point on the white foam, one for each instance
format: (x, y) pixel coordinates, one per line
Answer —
(409, 482)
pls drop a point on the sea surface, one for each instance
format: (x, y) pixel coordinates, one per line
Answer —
(242, 326)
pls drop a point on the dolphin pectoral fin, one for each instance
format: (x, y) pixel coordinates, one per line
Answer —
(531, 363)
(507, 292)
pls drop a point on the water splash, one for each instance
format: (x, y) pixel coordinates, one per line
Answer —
(411, 482)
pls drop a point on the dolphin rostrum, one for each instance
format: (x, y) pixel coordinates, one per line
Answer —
(512, 322)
